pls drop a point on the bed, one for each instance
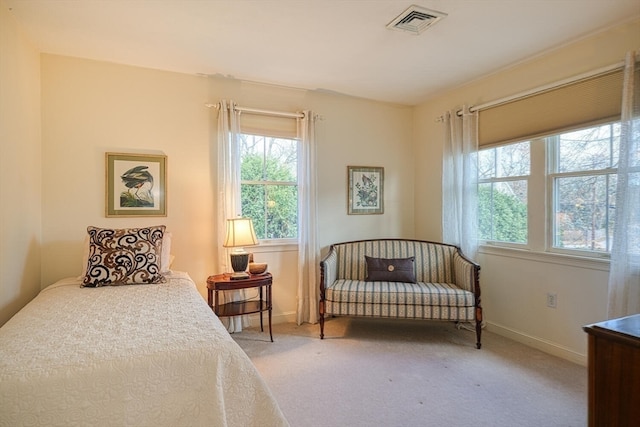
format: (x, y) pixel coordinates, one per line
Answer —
(134, 355)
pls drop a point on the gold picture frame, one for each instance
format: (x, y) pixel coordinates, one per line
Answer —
(136, 185)
(366, 190)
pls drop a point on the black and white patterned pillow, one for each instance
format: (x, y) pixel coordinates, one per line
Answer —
(124, 256)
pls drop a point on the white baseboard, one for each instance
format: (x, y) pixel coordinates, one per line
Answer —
(538, 343)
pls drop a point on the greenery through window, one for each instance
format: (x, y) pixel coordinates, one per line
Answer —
(269, 185)
(503, 174)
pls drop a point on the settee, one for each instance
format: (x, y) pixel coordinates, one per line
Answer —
(400, 278)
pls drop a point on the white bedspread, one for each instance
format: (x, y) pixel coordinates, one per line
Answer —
(138, 355)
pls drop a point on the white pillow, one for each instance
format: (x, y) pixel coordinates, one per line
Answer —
(166, 259)
(85, 257)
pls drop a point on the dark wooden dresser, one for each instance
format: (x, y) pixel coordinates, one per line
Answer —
(614, 372)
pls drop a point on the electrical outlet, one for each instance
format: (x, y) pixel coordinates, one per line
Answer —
(552, 300)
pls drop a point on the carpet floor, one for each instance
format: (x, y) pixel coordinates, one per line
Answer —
(378, 372)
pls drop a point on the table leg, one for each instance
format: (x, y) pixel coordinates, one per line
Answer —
(261, 326)
(269, 306)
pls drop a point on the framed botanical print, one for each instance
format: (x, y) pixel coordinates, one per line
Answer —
(366, 190)
(136, 185)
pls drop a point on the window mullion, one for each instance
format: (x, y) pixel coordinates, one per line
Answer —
(536, 196)
(552, 148)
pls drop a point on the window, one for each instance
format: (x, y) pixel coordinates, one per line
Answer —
(269, 185)
(583, 171)
(565, 200)
(555, 193)
(503, 175)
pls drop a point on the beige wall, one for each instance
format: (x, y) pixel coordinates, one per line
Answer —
(91, 107)
(20, 162)
(514, 289)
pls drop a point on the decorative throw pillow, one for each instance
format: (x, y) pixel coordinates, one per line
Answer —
(165, 261)
(124, 256)
(391, 269)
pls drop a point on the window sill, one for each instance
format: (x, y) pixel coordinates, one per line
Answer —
(601, 264)
(265, 247)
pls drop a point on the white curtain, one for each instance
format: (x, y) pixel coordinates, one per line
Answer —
(228, 194)
(460, 181)
(624, 275)
(308, 252)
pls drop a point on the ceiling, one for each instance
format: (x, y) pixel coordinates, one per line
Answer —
(340, 46)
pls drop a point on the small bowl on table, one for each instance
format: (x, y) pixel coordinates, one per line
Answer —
(257, 267)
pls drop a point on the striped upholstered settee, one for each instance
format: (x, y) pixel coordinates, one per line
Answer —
(447, 285)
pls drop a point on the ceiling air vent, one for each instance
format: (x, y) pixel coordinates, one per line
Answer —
(415, 20)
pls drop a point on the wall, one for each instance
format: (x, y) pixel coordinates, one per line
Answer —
(91, 107)
(515, 284)
(20, 162)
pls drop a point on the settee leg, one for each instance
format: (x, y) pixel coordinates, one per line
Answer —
(321, 313)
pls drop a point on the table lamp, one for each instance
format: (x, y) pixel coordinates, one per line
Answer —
(240, 233)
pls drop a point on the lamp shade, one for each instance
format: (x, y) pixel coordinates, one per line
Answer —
(240, 233)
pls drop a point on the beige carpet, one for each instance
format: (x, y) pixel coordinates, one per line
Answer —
(376, 372)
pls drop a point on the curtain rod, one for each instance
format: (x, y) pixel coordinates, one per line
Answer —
(261, 112)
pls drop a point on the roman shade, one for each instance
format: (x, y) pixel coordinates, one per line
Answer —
(565, 107)
(271, 125)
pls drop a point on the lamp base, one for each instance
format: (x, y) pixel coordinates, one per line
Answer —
(239, 275)
(239, 263)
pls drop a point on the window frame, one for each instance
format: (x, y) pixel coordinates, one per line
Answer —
(494, 180)
(542, 179)
(553, 175)
(266, 135)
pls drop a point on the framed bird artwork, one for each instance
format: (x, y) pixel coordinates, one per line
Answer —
(136, 185)
(366, 190)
